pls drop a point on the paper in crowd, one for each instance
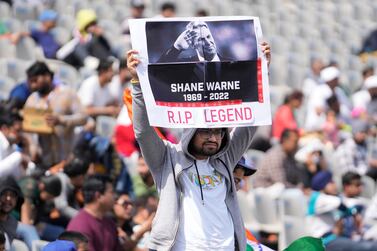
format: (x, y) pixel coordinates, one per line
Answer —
(202, 72)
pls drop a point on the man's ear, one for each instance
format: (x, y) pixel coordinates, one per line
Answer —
(97, 195)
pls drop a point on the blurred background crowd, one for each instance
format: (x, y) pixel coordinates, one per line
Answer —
(64, 59)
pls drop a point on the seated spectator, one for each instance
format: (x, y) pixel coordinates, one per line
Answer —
(284, 116)
(72, 179)
(92, 220)
(13, 159)
(95, 94)
(81, 241)
(123, 212)
(88, 46)
(361, 98)
(371, 107)
(66, 113)
(314, 77)
(20, 93)
(137, 11)
(43, 36)
(242, 170)
(167, 9)
(352, 189)
(10, 198)
(142, 181)
(326, 214)
(278, 164)
(120, 81)
(352, 154)
(38, 206)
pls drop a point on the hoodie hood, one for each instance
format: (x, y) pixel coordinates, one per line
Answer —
(9, 183)
(188, 135)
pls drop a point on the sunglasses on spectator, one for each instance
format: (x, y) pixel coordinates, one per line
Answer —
(125, 203)
(208, 133)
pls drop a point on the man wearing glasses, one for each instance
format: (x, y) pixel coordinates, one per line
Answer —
(198, 207)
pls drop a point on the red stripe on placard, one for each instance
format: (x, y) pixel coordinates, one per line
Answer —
(260, 82)
(200, 104)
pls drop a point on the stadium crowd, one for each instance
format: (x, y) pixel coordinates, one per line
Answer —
(86, 181)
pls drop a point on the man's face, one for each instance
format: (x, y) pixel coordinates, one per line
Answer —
(107, 75)
(360, 137)
(40, 83)
(331, 188)
(13, 133)
(8, 201)
(206, 142)
(291, 143)
(238, 175)
(123, 207)
(354, 189)
(205, 44)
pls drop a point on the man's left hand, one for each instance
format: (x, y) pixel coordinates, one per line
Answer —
(52, 120)
(266, 49)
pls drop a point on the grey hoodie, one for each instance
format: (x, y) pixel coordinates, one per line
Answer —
(167, 161)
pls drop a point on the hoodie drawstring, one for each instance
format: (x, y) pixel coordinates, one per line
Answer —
(230, 176)
(200, 183)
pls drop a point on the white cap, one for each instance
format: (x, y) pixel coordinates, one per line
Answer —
(311, 146)
(371, 82)
(330, 73)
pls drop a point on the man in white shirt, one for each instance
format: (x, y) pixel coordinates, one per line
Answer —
(95, 93)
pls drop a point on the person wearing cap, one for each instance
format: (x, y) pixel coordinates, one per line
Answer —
(316, 108)
(43, 36)
(66, 113)
(353, 153)
(95, 93)
(10, 199)
(361, 98)
(241, 170)
(327, 213)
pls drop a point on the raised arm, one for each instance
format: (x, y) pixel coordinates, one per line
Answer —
(152, 146)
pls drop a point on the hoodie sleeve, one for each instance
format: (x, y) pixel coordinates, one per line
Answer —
(240, 139)
(152, 146)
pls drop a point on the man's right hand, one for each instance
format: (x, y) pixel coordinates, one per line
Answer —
(132, 63)
(187, 39)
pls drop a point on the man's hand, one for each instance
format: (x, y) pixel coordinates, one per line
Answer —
(132, 63)
(266, 51)
(187, 39)
(52, 120)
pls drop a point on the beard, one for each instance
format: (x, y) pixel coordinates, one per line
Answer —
(44, 90)
(206, 149)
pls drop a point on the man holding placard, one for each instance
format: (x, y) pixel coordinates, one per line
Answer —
(198, 209)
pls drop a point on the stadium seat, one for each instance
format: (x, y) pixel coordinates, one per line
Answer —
(24, 11)
(105, 126)
(294, 203)
(6, 85)
(65, 73)
(27, 49)
(66, 21)
(7, 49)
(15, 68)
(369, 188)
(12, 24)
(293, 228)
(247, 210)
(61, 34)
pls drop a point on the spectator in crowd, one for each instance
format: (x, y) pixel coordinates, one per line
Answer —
(123, 212)
(312, 158)
(38, 207)
(353, 153)
(44, 36)
(92, 220)
(120, 81)
(242, 170)
(20, 93)
(285, 115)
(81, 241)
(66, 113)
(13, 159)
(137, 11)
(202, 162)
(201, 13)
(89, 46)
(279, 165)
(324, 205)
(71, 179)
(352, 189)
(142, 181)
(95, 93)
(167, 10)
(316, 108)
(314, 77)
(361, 98)
(10, 198)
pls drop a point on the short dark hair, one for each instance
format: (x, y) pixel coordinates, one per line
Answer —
(104, 65)
(348, 177)
(75, 237)
(286, 134)
(38, 68)
(52, 185)
(8, 118)
(168, 6)
(77, 166)
(92, 184)
(2, 238)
